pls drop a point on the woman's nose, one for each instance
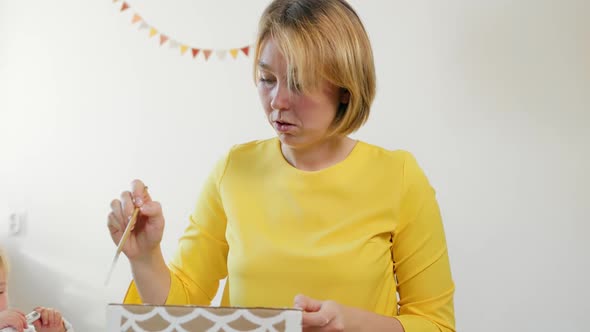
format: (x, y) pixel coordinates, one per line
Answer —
(280, 97)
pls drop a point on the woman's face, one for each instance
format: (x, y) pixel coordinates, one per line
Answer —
(3, 290)
(300, 120)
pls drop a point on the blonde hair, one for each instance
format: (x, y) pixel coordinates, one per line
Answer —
(4, 261)
(325, 38)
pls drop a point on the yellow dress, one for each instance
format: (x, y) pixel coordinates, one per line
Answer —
(361, 232)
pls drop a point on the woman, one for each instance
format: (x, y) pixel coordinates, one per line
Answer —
(312, 218)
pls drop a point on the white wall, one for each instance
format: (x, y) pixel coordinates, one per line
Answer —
(493, 97)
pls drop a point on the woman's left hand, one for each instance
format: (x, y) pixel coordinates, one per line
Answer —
(322, 315)
(50, 321)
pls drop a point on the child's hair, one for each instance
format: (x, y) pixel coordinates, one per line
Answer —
(3, 261)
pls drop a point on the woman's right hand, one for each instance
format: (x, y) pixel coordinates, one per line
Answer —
(13, 318)
(147, 233)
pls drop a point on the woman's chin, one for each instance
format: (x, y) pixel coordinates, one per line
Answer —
(290, 140)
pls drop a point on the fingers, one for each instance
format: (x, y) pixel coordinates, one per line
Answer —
(316, 313)
(18, 312)
(55, 320)
(151, 209)
(52, 318)
(113, 223)
(44, 316)
(19, 325)
(139, 193)
(122, 210)
(116, 223)
(127, 206)
(16, 319)
(39, 322)
(58, 319)
(117, 210)
(315, 319)
(307, 304)
(49, 317)
(21, 320)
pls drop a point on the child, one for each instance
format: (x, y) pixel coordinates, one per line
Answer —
(14, 320)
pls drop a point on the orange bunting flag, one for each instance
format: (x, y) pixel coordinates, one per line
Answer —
(163, 39)
(207, 54)
(245, 50)
(125, 6)
(136, 18)
(233, 52)
(195, 52)
(153, 32)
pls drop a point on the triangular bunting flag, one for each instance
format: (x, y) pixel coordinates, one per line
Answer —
(207, 54)
(221, 54)
(136, 18)
(153, 32)
(163, 39)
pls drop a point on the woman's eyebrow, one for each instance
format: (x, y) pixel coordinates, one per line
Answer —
(264, 65)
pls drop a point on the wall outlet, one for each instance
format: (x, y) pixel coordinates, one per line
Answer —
(16, 225)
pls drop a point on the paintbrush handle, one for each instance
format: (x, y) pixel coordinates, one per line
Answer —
(124, 238)
(127, 231)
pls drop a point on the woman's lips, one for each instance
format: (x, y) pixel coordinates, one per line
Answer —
(283, 127)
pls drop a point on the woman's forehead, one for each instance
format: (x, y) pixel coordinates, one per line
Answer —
(270, 57)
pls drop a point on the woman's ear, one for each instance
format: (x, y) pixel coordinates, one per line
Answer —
(344, 96)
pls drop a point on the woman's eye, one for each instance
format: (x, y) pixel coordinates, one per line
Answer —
(266, 79)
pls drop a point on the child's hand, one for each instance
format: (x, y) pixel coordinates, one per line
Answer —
(13, 318)
(50, 321)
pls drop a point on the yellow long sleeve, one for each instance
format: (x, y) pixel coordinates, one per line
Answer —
(420, 257)
(357, 233)
(201, 258)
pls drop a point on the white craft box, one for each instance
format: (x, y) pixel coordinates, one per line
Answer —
(151, 318)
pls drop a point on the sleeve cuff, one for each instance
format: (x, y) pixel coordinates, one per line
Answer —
(176, 295)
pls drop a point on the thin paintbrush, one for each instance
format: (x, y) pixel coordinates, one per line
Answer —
(122, 242)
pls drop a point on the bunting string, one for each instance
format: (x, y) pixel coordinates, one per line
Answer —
(183, 48)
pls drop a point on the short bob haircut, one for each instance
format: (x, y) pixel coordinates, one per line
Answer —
(323, 39)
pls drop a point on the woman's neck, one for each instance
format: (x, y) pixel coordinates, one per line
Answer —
(319, 155)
